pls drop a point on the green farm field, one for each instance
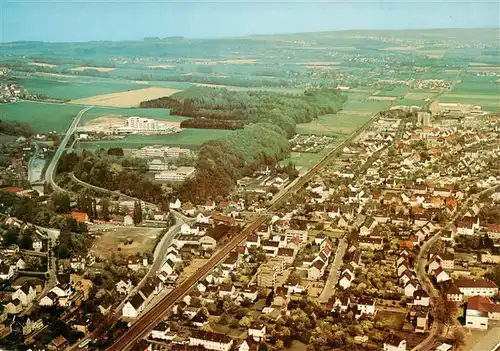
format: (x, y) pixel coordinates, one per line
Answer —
(64, 89)
(42, 117)
(343, 122)
(356, 112)
(189, 138)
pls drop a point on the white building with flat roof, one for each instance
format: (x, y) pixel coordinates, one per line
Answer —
(178, 175)
(141, 123)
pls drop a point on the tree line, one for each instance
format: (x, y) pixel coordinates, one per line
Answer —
(267, 119)
(15, 128)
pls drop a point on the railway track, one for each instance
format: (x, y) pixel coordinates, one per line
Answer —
(148, 320)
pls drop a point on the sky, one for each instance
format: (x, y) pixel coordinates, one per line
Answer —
(72, 20)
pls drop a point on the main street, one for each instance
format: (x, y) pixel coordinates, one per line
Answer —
(143, 325)
(333, 277)
(51, 169)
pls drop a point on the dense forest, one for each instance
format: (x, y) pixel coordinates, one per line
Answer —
(109, 171)
(211, 124)
(15, 128)
(251, 106)
(267, 120)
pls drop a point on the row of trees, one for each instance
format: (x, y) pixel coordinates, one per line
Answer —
(15, 128)
(211, 124)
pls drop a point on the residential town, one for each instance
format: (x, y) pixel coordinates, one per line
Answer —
(394, 244)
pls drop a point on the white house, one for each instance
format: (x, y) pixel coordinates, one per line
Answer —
(6, 272)
(227, 290)
(77, 263)
(20, 264)
(37, 244)
(14, 307)
(26, 294)
(365, 305)
(477, 287)
(345, 280)
(133, 307)
(341, 303)
(479, 310)
(210, 340)
(202, 218)
(128, 220)
(394, 343)
(160, 331)
(316, 271)
(411, 287)
(257, 331)
(440, 275)
(176, 205)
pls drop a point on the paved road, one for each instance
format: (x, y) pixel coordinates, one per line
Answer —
(333, 277)
(437, 328)
(144, 324)
(51, 169)
(35, 165)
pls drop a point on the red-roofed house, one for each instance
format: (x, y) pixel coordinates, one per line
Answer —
(81, 217)
(479, 310)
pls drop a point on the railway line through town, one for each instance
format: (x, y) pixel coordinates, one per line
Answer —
(155, 315)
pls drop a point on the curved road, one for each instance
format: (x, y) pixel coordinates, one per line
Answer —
(421, 262)
(51, 169)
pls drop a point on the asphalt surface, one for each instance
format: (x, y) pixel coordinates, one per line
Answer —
(333, 277)
(51, 169)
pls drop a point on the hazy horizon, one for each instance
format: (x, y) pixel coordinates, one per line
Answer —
(73, 21)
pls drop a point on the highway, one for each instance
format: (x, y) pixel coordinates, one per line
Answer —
(143, 325)
(51, 169)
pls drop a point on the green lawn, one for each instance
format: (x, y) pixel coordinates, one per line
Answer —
(42, 117)
(190, 138)
(399, 90)
(335, 124)
(69, 88)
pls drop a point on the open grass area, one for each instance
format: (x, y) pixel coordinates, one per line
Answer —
(399, 91)
(343, 122)
(69, 88)
(484, 86)
(488, 103)
(189, 138)
(393, 320)
(42, 117)
(114, 242)
(303, 160)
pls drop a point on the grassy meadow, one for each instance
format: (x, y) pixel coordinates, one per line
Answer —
(70, 88)
(42, 117)
(188, 138)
